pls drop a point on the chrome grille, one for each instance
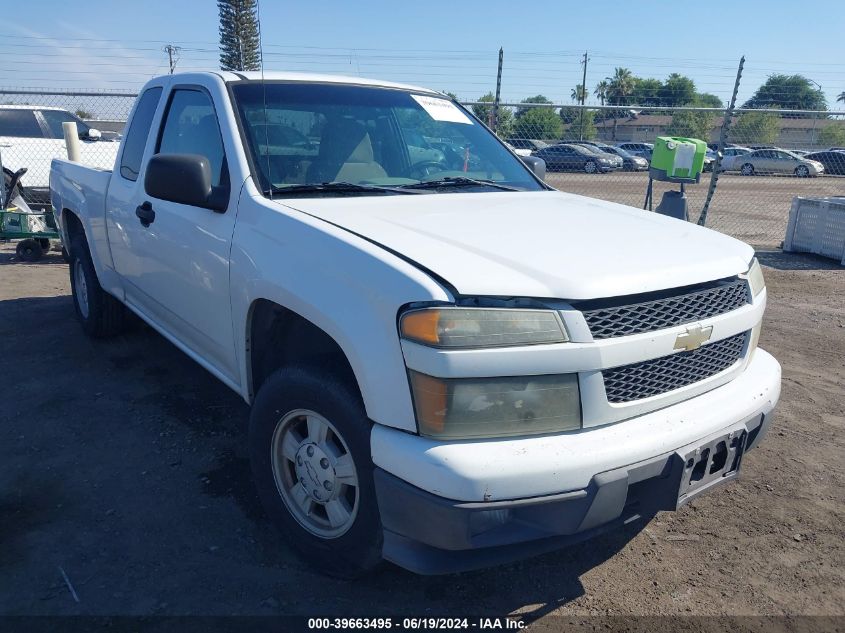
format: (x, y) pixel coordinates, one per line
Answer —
(657, 314)
(654, 377)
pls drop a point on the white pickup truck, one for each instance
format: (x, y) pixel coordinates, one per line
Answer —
(450, 364)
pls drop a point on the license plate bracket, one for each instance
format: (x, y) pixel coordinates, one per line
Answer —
(711, 464)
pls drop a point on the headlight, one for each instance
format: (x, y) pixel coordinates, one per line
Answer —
(465, 408)
(755, 278)
(454, 327)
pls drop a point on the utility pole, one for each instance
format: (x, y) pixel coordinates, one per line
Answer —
(498, 92)
(583, 94)
(172, 55)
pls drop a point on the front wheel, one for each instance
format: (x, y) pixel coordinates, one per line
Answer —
(747, 169)
(802, 171)
(590, 167)
(309, 442)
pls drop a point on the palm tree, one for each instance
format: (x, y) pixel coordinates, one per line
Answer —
(602, 88)
(620, 86)
(841, 97)
(578, 94)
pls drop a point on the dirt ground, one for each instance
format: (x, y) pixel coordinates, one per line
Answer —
(123, 465)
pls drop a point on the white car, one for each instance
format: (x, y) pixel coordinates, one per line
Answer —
(32, 136)
(732, 157)
(450, 364)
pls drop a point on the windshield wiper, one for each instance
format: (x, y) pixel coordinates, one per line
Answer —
(336, 187)
(459, 181)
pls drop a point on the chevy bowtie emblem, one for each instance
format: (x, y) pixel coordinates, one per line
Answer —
(694, 337)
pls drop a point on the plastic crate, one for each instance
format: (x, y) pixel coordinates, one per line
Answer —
(817, 225)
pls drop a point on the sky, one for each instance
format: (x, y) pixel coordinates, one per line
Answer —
(446, 45)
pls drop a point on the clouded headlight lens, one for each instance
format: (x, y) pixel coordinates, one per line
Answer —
(481, 327)
(755, 278)
(463, 408)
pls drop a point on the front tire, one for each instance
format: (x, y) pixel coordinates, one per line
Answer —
(802, 171)
(99, 313)
(590, 167)
(747, 169)
(309, 443)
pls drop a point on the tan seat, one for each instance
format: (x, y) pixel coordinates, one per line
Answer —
(345, 155)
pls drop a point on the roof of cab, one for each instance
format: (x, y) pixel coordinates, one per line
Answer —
(229, 76)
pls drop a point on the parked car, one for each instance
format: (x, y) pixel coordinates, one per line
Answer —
(833, 161)
(732, 157)
(778, 161)
(571, 157)
(32, 136)
(445, 381)
(642, 150)
(629, 161)
(836, 149)
(524, 146)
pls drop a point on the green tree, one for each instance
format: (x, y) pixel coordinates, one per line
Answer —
(573, 130)
(832, 135)
(677, 90)
(82, 113)
(620, 87)
(692, 124)
(537, 122)
(535, 99)
(794, 92)
(578, 94)
(840, 97)
(756, 128)
(603, 87)
(485, 113)
(646, 92)
(238, 35)
(707, 100)
(451, 95)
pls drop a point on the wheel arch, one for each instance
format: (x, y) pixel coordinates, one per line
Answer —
(277, 336)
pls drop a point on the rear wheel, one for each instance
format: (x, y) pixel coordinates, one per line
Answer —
(309, 442)
(802, 171)
(590, 167)
(99, 313)
(29, 250)
(747, 169)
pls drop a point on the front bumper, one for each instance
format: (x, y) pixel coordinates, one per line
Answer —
(454, 506)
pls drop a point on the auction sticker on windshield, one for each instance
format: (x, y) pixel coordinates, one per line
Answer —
(442, 109)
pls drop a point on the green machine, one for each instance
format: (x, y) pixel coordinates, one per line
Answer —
(675, 159)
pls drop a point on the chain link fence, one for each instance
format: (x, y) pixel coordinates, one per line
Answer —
(769, 156)
(31, 132)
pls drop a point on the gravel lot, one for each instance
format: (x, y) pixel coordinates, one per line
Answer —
(754, 209)
(123, 464)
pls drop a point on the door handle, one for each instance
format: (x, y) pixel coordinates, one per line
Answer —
(146, 214)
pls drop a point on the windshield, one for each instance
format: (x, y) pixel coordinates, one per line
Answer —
(314, 134)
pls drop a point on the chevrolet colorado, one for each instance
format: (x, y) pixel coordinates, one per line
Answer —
(450, 364)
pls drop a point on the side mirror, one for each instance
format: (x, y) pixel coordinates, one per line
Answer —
(536, 165)
(94, 134)
(186, 179)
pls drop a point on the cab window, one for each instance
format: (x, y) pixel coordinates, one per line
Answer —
(190, 127)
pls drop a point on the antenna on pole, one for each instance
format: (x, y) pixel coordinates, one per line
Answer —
(264, 95)
(172, 55)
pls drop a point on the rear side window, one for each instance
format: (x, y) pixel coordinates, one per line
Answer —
(136, 136)
(55, 118)
(19, 123)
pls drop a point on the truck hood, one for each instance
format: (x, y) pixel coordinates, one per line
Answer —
(537, 244)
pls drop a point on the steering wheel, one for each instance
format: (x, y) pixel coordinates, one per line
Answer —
(425, 168)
